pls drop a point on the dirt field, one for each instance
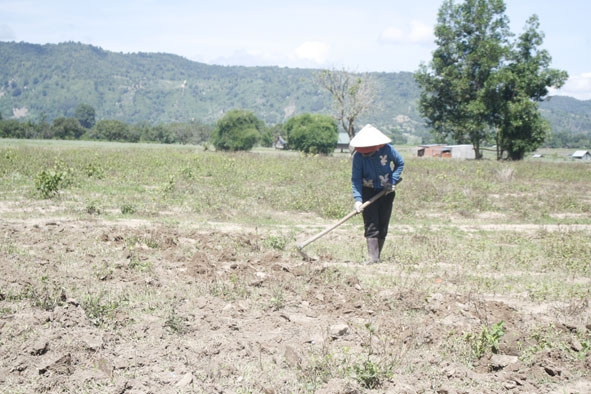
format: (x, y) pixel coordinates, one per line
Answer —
(104, 306)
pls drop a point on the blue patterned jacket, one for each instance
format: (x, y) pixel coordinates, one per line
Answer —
(383, 166)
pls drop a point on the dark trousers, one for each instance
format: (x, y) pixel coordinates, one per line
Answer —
(376, 216)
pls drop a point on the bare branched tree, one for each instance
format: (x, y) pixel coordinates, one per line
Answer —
(353, 94)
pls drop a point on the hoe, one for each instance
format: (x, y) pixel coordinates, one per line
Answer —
(337, 224)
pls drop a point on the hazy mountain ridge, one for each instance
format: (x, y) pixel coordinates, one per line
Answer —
(51, 80)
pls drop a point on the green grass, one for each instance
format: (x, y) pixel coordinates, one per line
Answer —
(243, 186)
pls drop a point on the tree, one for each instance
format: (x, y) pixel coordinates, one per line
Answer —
(237, 130)
(159, 133)
(86, 115)
(43, 127)
(312, 133)
(471, 43)
(201, 132)
(479, 86)
(352, 95)
(523, 83)
(11, 128)
(180, 132)
(111, 130)
(67, 128)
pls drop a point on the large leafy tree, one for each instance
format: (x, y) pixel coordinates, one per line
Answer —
(479, 86)
(12, 128)
(471, 43)
(312, 133)
(352, 94)
(522, 84)
(237, 130)
(111, 130)
(86, 115)
(67, 128)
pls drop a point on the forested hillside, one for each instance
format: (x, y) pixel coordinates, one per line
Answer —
(567, 113)
(50, 81)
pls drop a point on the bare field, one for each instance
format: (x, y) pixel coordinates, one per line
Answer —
(167, 275)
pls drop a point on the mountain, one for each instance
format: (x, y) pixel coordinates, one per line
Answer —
(49, 81)
(567, 114)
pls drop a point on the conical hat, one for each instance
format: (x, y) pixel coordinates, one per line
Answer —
(369, 136)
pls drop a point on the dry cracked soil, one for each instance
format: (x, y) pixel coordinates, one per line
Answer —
(89, 305)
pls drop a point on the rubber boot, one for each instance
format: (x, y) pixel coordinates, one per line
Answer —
(381, 246)
(373, 250)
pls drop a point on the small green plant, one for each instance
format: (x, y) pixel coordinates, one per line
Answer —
(48, 183)
(585, 340)
(128, 209)
(277, 300)
(98, 309)
(94, 171)
(5, 311)
(368, 374)
(278, 242)
(136, 262)
(175, 323)
(149, 241)
(93, 209)
(169, 186)
(103, 271)
(540, 339)
(47, 297)
(188, 173)
(321, 369)
(231, 288)
(140, 265)
(487, 340)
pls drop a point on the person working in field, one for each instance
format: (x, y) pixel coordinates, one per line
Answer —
(377, 166)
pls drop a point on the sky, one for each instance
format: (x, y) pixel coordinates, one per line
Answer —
(357, 36)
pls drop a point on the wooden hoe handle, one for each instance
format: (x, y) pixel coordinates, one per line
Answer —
(343, 220)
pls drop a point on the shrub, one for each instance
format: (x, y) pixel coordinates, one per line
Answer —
(312, 133)
(487, 339)
(67, 128)
(48, 183)
(86, 115)
(237, 130)
(112, 130)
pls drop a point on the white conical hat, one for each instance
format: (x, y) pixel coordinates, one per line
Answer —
(369, 136)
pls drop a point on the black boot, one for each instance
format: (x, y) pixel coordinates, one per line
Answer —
(373, 250)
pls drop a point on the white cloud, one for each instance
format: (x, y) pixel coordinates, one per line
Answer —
(417, 32)
(313, 50)
(421, 32)
(577, 86)
(392, 35)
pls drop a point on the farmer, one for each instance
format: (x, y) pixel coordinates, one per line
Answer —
(377, 166)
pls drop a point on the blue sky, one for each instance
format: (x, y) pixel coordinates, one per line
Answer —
(388, 36)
